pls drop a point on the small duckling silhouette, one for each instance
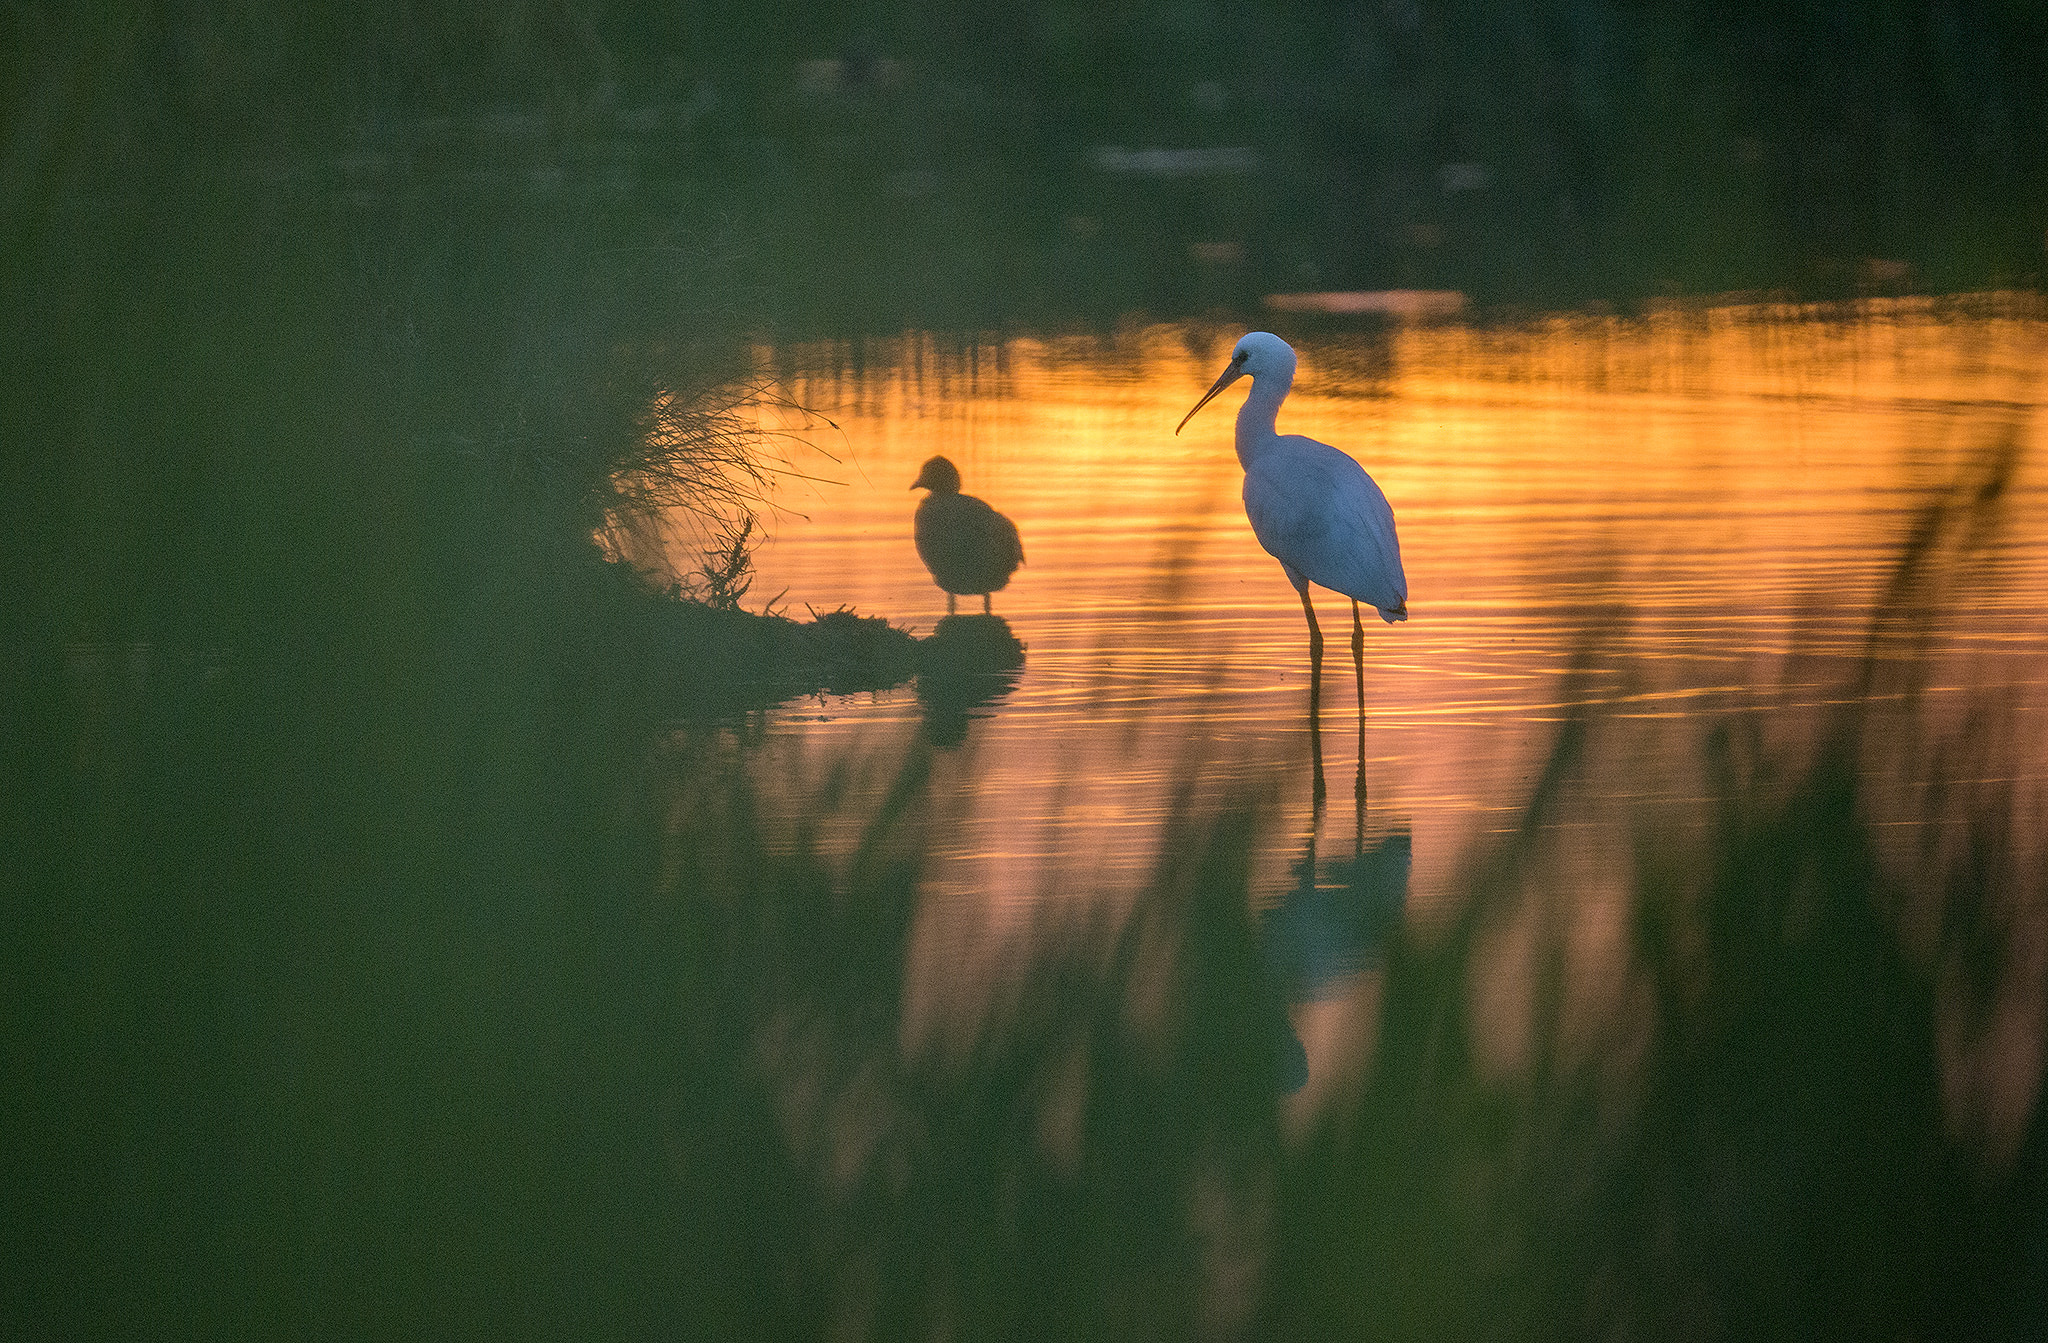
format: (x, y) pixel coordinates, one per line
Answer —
(969, 547)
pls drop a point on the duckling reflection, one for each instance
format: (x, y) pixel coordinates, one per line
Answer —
(967, 663)
(970, 548)
(1334, 924)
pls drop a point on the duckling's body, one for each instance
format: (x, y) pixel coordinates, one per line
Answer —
(970, 548)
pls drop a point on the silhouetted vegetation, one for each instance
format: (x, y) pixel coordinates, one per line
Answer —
(497, 1007)
(1755, 1147)
(393, 942)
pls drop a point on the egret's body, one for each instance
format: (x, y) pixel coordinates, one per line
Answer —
(1326, 521)
(970, 548)
(1312, 507)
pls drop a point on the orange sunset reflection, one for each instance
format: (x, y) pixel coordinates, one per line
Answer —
(1658, 521)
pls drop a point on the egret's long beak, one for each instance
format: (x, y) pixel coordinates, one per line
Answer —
(1230, 375)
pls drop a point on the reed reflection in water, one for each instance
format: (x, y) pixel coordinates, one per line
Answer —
(1774, 1076)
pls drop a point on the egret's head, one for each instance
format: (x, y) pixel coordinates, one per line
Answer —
(1263, 355)
(939, 476)
(1258, 353)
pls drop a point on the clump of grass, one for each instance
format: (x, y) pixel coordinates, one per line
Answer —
(724, 574)
(695, 473)
(725, 568)
(695, 453)
(854, 652)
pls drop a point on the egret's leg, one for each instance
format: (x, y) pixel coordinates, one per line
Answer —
(1358, 667)
(1315, 692)
(1315, 729)
(1358, 653)
(1315, 632)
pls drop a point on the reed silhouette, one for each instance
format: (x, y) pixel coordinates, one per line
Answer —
(517, 1013)
(1757, 1145)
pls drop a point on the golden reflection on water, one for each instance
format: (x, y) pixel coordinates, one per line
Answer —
(1666, 519)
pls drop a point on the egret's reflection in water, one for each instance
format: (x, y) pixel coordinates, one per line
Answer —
(1332, 925)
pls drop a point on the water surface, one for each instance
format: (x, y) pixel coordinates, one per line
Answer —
(1667, 525)
(1708, 505)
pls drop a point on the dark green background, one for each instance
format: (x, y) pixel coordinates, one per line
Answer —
(359, 976)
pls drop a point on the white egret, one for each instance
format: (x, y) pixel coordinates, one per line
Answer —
(969, 547)
(1312, 507)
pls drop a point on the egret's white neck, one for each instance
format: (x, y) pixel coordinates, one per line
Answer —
(1255, 431)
